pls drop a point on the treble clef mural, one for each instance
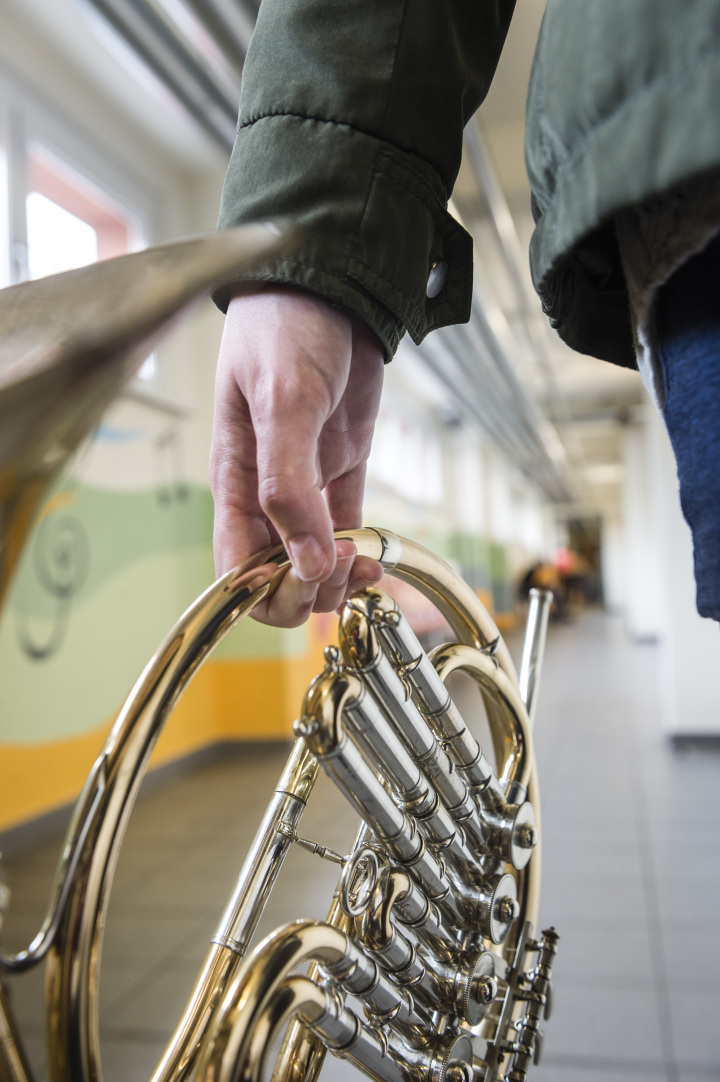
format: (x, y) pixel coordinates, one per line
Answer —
(60, 561)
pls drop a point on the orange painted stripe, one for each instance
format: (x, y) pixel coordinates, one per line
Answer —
(229, 699)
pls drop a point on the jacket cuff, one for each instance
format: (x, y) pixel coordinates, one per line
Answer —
(373, 223)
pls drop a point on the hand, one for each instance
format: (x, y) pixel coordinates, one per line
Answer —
(296, 398)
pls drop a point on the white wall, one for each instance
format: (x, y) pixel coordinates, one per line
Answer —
(690, 645)
(643, 599)
(179, 191)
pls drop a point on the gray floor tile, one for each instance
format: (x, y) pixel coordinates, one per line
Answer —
(37, 1054)
(574, 904)
(129, 1060)
(149, 941)
(695, 1027)
(116, 982)
(597, 1022)
(26, 992)
(552, 1070)
(688, 905)
(151, 1009)
(693, 959)
(590, 955)
(622, 813)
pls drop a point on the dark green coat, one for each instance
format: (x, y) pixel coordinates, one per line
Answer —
(351, 123)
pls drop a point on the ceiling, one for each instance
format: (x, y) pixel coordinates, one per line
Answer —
(588, 401)
(194, 48)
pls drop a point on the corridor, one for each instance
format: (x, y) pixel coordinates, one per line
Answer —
(631, 878)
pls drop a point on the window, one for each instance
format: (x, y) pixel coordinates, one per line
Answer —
(63, 204)
(70, 220)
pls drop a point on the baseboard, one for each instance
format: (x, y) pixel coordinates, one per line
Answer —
(27, 836)
(707, 743)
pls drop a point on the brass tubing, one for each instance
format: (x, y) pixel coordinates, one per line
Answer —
(359, 784)
(264, 995)
(71, 340)
(514, 741)
(242, 1029)
(302, 1053)
(72, 975)
(534, 648)
(268, 850)
(389, 757)
(313, 1006)
(257, 876)
(458, 603)
(83, 816)
(178, 1059)
(14, 1065)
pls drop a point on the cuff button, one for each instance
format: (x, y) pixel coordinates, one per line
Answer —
(436, 279)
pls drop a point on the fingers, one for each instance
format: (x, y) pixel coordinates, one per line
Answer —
(289, 486)
(344, 498)
(290, 605)
(332, 592)
(297, 394)
(351, 573)
(282, 369)
(240, 527)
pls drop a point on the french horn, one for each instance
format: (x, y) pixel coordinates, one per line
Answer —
(429, 965)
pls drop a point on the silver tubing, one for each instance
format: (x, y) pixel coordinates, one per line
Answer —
(435, 704)
(390, 757)
(360, 786)
(361, 976)
(534, 648)
(390, 692)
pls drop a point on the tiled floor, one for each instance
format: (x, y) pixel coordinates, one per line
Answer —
(631, 879)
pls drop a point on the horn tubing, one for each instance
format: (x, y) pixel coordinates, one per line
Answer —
(72, 977)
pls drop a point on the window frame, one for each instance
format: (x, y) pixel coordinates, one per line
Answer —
(25, 120)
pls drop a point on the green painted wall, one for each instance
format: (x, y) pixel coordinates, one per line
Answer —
(105, 576)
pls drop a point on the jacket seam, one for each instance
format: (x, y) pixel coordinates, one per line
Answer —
(440, 224)
(354, 240)
(278, 113)
(392, 156)
(384, 144)
(377, 274)
(283, 262)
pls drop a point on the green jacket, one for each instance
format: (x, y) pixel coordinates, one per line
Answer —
(351, 121)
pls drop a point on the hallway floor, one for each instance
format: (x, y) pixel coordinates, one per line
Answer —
(631, 880)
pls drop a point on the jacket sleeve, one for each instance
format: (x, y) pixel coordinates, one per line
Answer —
(350, 126)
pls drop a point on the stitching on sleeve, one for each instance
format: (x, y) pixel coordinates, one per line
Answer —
(384, 148)
(443, 218)
(376, 274)
(306, 116)
(417, 178)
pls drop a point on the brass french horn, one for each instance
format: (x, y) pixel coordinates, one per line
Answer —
(428, 965)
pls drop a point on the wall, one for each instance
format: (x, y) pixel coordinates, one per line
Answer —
(123, 544)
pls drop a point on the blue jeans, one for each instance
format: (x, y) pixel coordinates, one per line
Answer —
(688, 325)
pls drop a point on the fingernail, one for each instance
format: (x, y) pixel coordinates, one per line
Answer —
(345, 549)
(307, 557)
